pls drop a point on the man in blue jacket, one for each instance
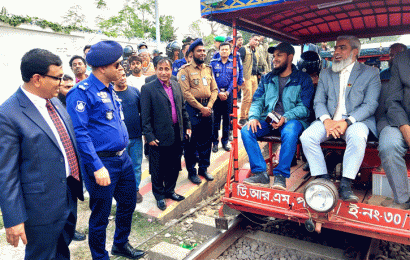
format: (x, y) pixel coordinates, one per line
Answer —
(288, 92)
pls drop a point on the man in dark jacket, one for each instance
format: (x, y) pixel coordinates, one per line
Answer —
(165, 125)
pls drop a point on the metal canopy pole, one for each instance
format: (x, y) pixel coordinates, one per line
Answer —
(235, 103)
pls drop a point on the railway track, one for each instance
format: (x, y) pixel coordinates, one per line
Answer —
(239, 229)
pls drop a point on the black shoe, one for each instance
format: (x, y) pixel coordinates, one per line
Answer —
(306, 167)
(139, 197)
(175, 197)
(206, 175)
(259, 179)
(243, 121)
(78, 236)
(161, 204)
(279, 183)
(227, 147)
(345, 191)
(215, 148)
(323, 176)
(294, 162)
(127, 251)
(230, 136)
(194, 178)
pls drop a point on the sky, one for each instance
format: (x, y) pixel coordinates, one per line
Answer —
(184, 11)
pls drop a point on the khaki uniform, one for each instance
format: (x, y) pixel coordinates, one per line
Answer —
(210, 54)
(199, 89)
(191, 78)
(251, 81)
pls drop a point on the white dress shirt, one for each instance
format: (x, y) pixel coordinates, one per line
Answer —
(40, 104)
(341, 104)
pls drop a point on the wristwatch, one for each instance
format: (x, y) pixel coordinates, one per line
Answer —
(349, 123)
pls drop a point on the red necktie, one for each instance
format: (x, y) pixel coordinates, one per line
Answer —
(65, 139)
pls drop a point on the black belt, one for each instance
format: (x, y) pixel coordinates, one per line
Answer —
(111, 154)
(202, 100)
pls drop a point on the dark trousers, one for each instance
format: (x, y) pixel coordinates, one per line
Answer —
(123, 190)
(222, 110)
(164, 166)
(51, 241)
(200, 141)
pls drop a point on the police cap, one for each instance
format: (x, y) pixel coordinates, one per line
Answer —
(228, 39)
(197, 42)
(104, 53)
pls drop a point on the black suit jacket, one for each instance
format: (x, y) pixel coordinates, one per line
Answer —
(156, 113)
(33, 182)
(154, 77)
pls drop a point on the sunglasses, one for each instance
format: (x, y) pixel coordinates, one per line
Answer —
(53, 77)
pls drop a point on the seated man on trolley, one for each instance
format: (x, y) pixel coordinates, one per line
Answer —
(287, 93)
(345, 103)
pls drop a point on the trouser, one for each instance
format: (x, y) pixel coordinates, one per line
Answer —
(123, 190)
(248, 88)
(134, 149)
(355, 137)
(51, 241)
(222, 110)
(164, 166)
(200, 142)
(392, 149)
(289, 133)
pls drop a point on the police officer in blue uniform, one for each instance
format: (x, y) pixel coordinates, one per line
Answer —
(102, 138)
(222, 68)
(181, 62)
(176, 65)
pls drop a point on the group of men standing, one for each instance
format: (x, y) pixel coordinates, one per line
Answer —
(47, 153)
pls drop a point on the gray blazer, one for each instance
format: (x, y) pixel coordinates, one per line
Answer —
(361, 97)
(397, 93)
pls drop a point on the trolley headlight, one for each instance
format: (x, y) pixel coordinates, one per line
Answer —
(321, 195)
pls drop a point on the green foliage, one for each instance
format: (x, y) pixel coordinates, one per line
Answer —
(136, 20)
(74, 16)
(16, 20)
(100, 4)
(168, 32)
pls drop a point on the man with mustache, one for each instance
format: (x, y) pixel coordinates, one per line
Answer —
(288, 92)
(136, 79)
(200, 92)
(345, 103)
(79, 68)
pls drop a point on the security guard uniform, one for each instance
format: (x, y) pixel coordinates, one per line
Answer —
(102, 138)
(199, 89)
(177, 65)
(223, 73)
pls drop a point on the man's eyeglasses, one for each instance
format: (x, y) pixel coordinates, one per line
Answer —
(56, 78)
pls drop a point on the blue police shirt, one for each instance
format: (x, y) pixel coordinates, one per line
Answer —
(223, 73)
(97, 118)
(178, 64)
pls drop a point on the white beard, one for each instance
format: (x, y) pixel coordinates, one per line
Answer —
(340, 65)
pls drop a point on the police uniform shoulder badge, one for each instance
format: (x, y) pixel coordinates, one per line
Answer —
(81, 87)
(183, 77)
(80, 106)
(109, 115)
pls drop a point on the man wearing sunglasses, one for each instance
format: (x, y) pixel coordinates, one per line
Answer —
(102, 137)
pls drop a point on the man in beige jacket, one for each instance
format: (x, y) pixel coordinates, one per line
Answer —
(251, 58)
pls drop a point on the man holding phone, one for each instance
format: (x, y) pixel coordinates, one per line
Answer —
(285, 94)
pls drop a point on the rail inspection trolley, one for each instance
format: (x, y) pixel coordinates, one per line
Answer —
(314, 21)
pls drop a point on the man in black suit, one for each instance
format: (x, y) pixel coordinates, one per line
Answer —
(165, 124)
(39, 164)
(154, 77)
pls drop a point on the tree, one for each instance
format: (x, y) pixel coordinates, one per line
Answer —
(74, 16)
(168, 32)
(136, 19)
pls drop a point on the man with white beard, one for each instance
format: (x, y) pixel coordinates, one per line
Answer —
(345, 103)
